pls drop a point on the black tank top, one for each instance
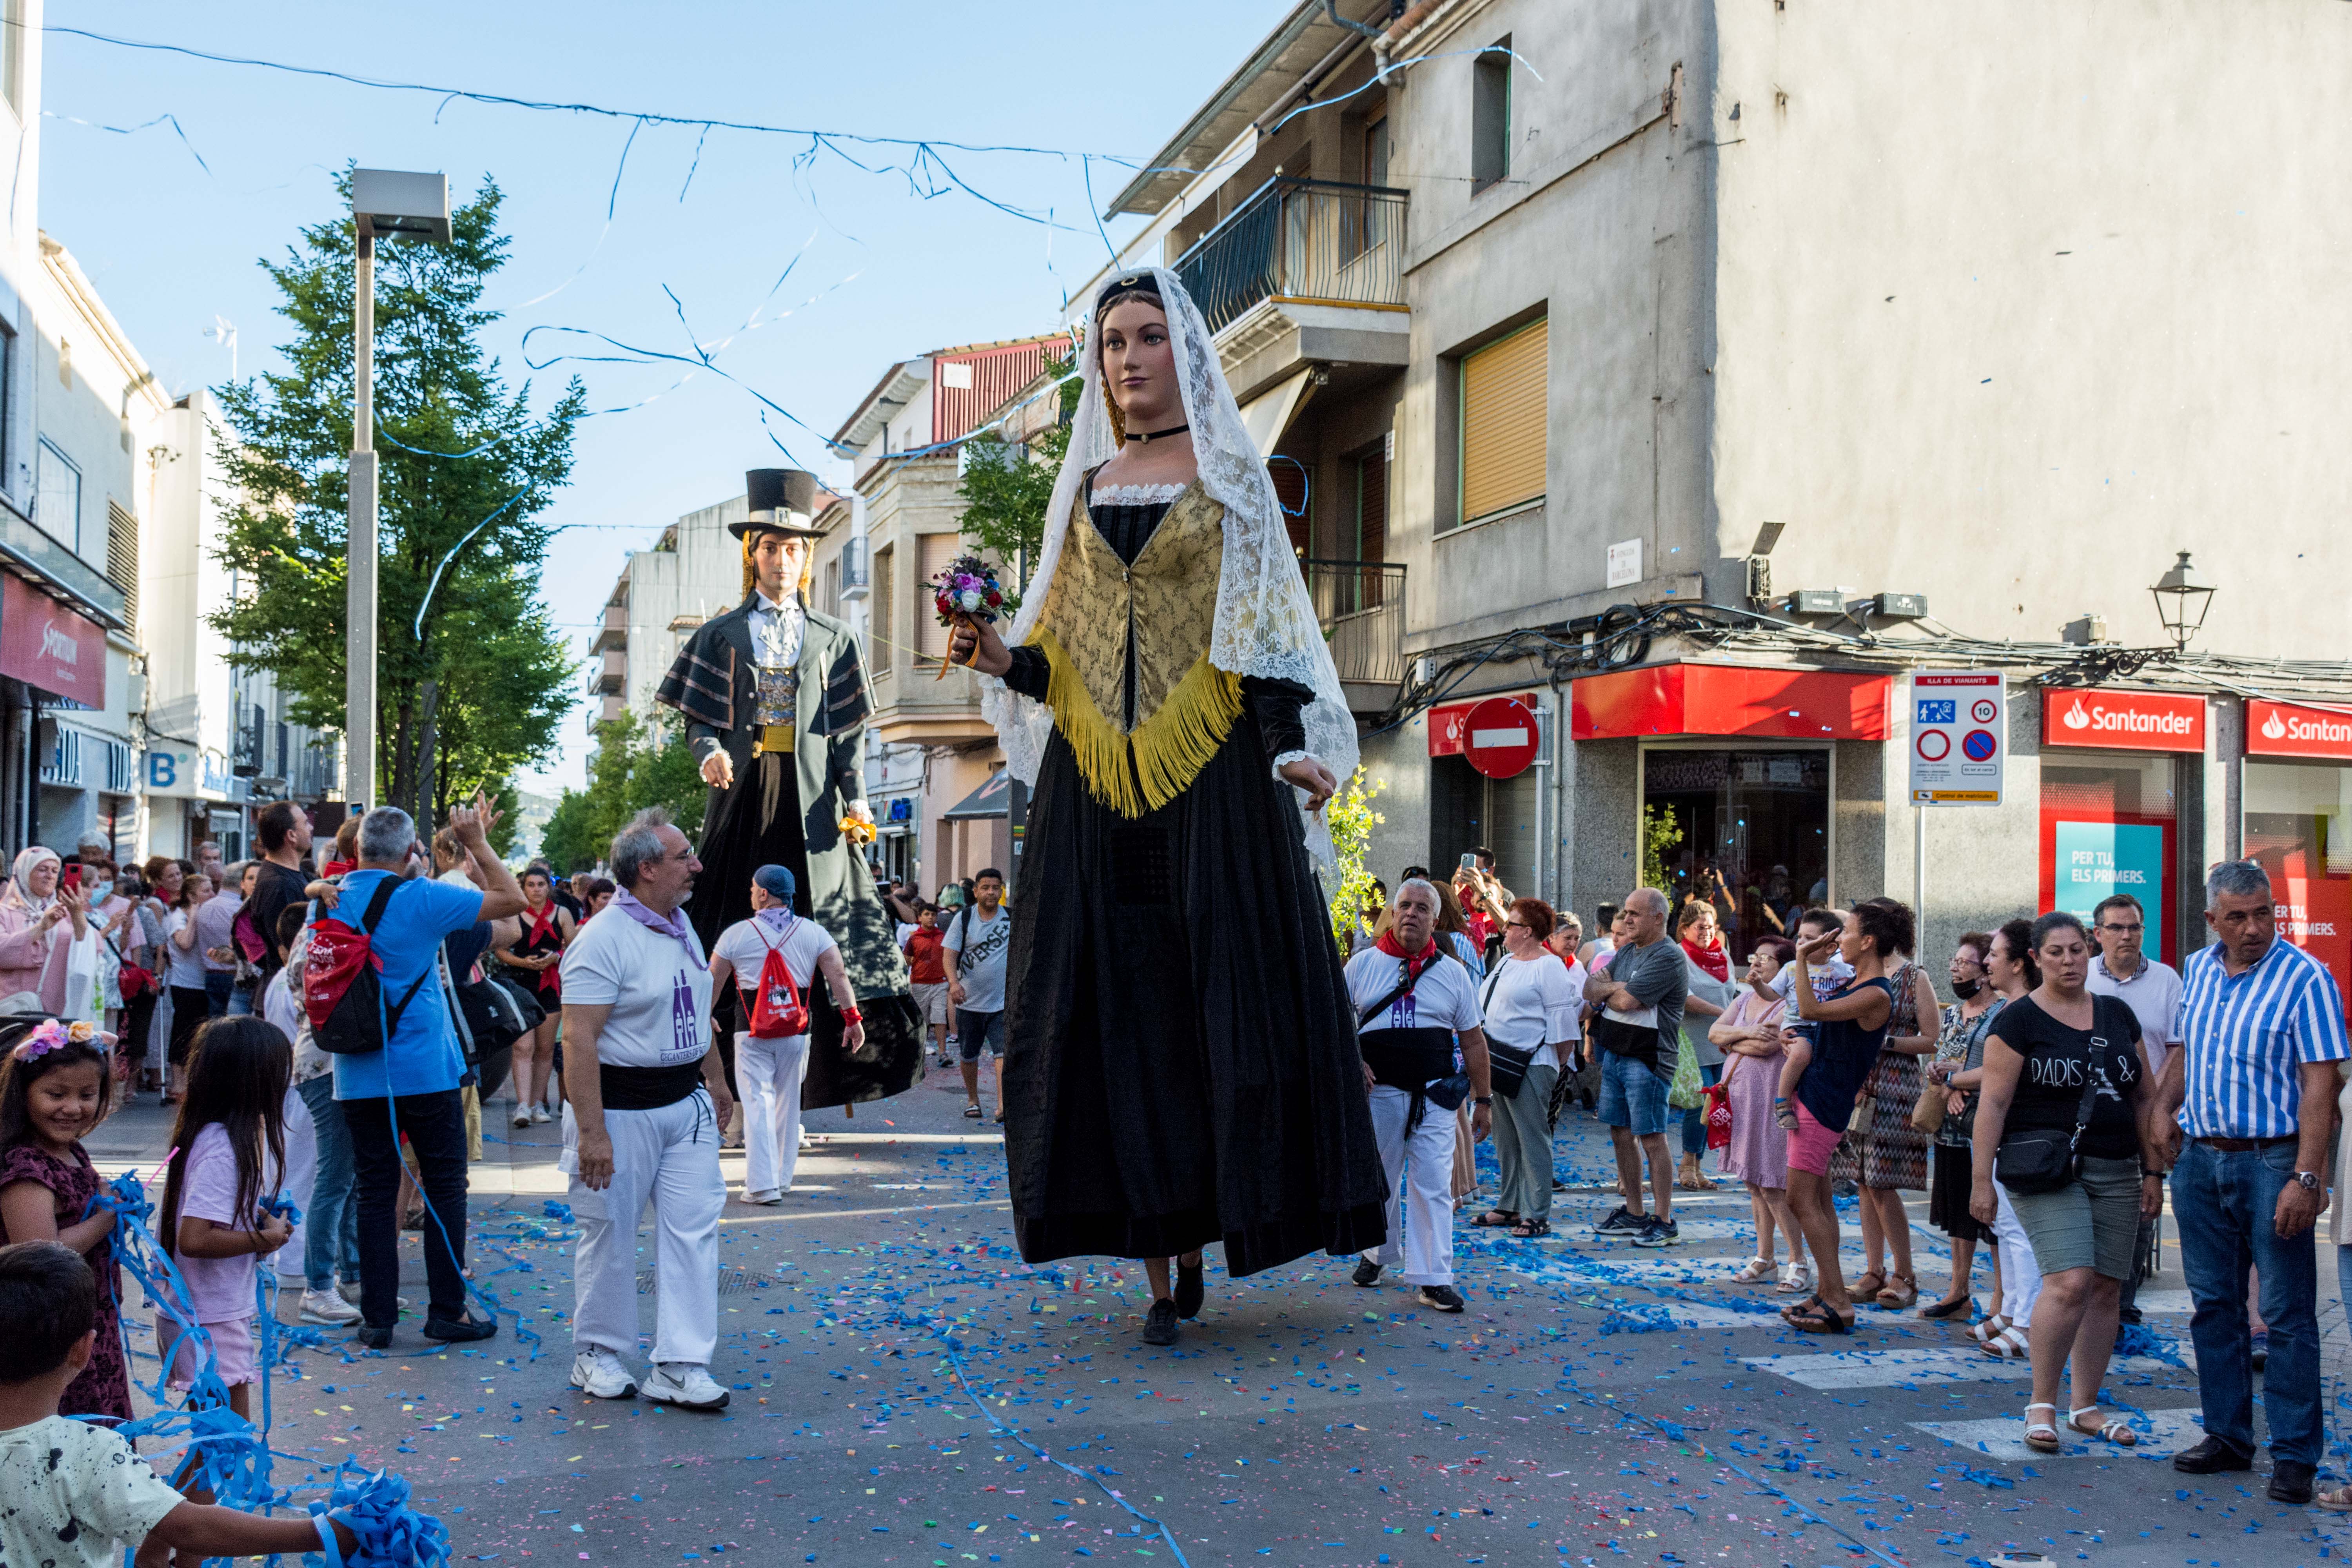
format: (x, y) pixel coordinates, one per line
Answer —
(550, 941)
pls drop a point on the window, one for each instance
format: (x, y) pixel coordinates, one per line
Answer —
(1757, 819)
(938, 550)
(1295, 494)
(122, 557)
(1372, 226)
(878, 644)
(1371, 471)
(831, 599)
(1502, 423)
(7, 399)
(57, 498)
(1490, 116)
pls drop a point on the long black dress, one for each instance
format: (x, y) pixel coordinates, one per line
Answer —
(1180, 1065)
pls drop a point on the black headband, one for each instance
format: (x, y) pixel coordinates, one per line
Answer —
(1135, 286)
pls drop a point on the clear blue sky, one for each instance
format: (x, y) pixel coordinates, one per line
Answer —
(171, 247)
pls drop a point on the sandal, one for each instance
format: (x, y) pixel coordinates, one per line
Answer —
(1950, 1307)
(2008, 1345)
(1892, 1299)
(971, 1112)
(1985, 1327)
(1758, 1271)
(1868, 1287)
(2117, 1432)
(1796, 1279)
(2338, 1501)
(1531, 1229)
(1496, 1219)
(2041, 1437)
(1814, 1316)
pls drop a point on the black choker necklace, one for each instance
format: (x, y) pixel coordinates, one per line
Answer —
(1156, 435)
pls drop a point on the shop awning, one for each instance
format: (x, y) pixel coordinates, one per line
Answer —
(993, 798)
(1730, 700)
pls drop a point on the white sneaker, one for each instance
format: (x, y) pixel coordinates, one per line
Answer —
(600, 1374)
(349, 1290)
(763, 1198)
(539, 1114)
(684, 1383)
(326, 1307)
(521, 1116)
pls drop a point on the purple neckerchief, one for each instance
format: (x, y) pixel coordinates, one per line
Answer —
(671, 924)
(777, 919)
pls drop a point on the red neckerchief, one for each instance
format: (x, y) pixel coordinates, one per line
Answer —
(337, 867)
(1414, 963)
(541, 921)
(1714, 959)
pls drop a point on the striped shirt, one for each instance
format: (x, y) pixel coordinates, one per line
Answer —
(2246, 1037)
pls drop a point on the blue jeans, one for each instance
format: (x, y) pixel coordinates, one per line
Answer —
(1633, 1095)
(331, 1235)
(2223, 1204)
(1695, 1119)
(218, 985)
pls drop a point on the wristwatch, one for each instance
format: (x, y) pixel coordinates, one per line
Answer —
(2309, 1180)
(1482, 1100)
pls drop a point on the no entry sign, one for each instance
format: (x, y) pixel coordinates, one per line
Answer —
(1959, 730)
(1499, 737)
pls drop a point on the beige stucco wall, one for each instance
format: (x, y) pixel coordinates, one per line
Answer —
(2016, 300)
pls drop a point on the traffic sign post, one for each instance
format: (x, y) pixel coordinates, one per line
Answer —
(1959, 745)
(1500, 737)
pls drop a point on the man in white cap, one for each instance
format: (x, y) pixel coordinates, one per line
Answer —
(774, 958)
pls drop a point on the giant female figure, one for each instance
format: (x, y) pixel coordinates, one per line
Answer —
(1180, 1065)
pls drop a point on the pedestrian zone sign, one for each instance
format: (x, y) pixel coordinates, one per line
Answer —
(1960, 736)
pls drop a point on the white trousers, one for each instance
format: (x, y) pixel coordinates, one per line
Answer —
(2021, 1276)
(668, 1156)
(301, 1170)
(1425, 1161)
(769, 1072)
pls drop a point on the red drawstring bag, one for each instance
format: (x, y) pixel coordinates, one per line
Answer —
(777, 1011)
(1718, 1116)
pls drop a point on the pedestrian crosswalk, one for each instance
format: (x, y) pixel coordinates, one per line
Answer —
(2162, 1433)
(1915, 1368)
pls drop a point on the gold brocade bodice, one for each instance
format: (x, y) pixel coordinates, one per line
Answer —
(1097, 611)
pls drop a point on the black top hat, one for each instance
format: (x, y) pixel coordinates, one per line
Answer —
(781, 500)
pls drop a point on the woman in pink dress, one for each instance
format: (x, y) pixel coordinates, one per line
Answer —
(1749, 1034)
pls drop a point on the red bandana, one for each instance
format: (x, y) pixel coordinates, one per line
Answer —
(1415, 963)
(1712, 959)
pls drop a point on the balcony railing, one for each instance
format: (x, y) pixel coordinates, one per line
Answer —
(606, 671)
(613, 630)
(1311, 240)
(1361, 606)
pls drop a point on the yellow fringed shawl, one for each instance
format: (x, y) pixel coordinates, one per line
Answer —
(1185, 706)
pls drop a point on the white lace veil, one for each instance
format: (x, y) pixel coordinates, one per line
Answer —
(1266, 623)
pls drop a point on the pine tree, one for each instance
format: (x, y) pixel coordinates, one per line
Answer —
(472, 677)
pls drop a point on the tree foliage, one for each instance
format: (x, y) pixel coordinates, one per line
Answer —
(1008, 486)
(482, 689)
(636, 766)
(1352, 818)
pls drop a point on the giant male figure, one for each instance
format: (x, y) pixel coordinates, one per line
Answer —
(774, 699)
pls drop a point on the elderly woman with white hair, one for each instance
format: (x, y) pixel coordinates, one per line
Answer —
(34, 954)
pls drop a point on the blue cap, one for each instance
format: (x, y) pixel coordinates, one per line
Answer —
(776, 881)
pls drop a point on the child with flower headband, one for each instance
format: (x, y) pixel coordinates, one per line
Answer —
(56, 1087)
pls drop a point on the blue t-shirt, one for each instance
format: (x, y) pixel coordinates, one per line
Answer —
(422, 1055)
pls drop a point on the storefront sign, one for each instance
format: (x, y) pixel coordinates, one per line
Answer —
(1959, 728)
(45, 645)
(2123, 720)
(184, 770)
(1449, 727)
(1728, 699)
(2091, 860)
(1501, 734)
(2315, 914)
(2291, 729)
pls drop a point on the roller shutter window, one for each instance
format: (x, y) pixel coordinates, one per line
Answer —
(1502, 422)
(880, 646)
(938, 550)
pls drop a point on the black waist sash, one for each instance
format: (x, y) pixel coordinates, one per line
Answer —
(1418, 1062)
(648, 1088)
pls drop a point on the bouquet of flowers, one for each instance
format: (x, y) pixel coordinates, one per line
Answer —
(968, 594)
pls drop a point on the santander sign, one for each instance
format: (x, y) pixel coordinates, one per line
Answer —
(2291, 729)
(2125, 720)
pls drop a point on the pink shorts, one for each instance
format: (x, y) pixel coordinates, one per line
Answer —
(1811, 1144)
(232, 1349)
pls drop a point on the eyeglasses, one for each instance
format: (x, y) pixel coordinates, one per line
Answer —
(2122, 930)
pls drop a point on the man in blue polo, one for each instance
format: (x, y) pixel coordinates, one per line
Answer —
(2252, 1091)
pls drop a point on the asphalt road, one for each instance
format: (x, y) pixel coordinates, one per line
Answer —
(907, 1391)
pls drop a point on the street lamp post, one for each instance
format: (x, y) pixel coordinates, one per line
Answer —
(409, 207)
(2182, 598)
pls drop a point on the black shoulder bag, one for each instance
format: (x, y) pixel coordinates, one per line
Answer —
(1506, 1065)
(2042, 1159)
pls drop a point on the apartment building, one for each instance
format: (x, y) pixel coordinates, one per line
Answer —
(1723, 377)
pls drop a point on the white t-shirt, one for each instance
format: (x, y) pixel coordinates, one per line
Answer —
(74, 1494)
(1445, 997)
(745, 945)
(2153, 993)
(976, 950)
(185, 964)
(659, 992)
(1530, 1002)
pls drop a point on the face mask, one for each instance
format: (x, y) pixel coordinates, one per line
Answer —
(1964, 989)
(101, 891)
